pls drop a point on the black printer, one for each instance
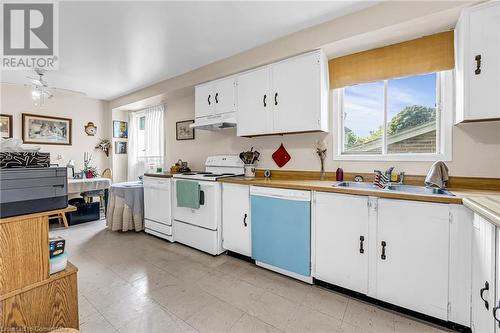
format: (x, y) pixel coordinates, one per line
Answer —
(32, 190)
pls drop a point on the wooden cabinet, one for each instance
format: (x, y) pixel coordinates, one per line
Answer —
(284, 97)
(342, 240)
(215, 97)
(483, 275)
(412, 258)
(255, 113)
(236, 218)
(477, 63)
(30, 298)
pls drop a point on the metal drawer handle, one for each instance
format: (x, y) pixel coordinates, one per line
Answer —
(478, 64)
(264, 100)
(481, 291)
(361, 240)
(383, 256)
(495, 312)
(275, 98)
(245, 220)
(217, 98)
(209, 99)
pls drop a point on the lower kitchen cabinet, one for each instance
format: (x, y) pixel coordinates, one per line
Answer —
(236, 218)
(413, 252)
(342, 240)
(483, 275)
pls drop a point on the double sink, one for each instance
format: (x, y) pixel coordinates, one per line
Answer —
(397, 188)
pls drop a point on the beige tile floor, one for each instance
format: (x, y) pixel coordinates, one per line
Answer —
(133, 282)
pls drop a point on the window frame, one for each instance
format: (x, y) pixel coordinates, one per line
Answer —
(444, 119)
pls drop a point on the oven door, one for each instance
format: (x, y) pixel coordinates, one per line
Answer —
(207, 216)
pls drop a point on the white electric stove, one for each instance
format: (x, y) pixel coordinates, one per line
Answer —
(201, 228)
(216, 167)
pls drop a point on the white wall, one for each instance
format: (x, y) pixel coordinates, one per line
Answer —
(16, 99)
(120, 161)
(476, 147)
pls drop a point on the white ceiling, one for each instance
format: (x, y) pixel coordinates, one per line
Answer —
(108, 49)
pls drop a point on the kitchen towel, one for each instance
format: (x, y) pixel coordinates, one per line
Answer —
(438, 175)
(188, 193)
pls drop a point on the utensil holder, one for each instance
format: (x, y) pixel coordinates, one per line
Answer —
(250, 170)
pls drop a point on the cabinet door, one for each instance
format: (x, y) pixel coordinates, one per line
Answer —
(412, 258)
(483, 275)
(224, 95)
(342, 240)
(254, 103)
(296, 94)
(204, 100)
(236, 218)
(484, 93)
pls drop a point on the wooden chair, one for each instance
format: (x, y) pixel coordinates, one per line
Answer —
(88, 196)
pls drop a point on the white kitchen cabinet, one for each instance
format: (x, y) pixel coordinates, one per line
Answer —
(236, 218)
(342, 240)
(284, 97)
(477, 63)
(255, 113)
(204, 100)
(215, 97)
(483, 275)
(412, 259)
(297, 94)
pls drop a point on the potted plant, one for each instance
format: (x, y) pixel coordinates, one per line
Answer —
(88, 169)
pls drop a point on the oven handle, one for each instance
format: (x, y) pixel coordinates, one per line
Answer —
(202, 198)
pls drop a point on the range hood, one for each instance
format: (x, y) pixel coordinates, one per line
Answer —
(215, 122)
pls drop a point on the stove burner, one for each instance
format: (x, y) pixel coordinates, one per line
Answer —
(212, 175)
(203, 173)
(188, 174)
(228, 174)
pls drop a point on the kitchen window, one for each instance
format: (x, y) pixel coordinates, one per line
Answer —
(406, 118)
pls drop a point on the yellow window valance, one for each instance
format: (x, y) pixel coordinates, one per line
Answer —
(418, 56)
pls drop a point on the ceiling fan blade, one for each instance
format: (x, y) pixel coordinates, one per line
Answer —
(68, 91)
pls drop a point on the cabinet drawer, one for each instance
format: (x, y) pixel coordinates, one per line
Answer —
(159, 227)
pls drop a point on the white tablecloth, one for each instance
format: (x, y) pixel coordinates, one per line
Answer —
(77, 186)
(126, 207)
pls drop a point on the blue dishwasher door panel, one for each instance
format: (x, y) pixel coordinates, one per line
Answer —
(281, 233)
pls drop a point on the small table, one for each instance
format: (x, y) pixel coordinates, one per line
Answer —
(77, 186)
(126, 207)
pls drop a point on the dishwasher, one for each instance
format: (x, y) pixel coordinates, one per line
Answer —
(281, 230)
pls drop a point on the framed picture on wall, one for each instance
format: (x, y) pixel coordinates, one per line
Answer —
(6, 126)
(46, 130)
(120, 147)
(120, 129)
(183, 131)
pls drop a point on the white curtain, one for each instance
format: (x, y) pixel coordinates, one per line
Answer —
(150, 154)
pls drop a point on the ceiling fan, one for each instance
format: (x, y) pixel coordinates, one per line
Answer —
(40, 89)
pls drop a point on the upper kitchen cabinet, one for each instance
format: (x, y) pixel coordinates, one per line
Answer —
(477, 63)
(254, 102)
(285, 97)
(215, 97)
